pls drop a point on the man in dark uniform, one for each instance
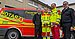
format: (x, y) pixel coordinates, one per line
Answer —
(67, 20)
(73, 30)
(38, 27)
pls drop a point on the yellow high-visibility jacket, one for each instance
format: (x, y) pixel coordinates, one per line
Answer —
(45, 18)
(55, 17)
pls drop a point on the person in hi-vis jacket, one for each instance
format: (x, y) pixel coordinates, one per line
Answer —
(55, 21)
(45, 18)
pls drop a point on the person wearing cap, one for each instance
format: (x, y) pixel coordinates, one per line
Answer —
(37, 23)
(45, 18)
(55, 21)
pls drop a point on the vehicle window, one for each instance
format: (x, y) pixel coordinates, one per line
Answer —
(27, 14)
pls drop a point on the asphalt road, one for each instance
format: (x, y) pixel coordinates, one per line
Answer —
(1, 37)
(30, 37)
(24, 38)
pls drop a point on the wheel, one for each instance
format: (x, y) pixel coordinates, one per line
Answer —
(12, 34)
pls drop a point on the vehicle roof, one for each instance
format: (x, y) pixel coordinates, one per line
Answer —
(19, 9)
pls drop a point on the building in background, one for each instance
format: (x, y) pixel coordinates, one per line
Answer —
(2, 3)
(31, 4)
(13, 3)
(72, 5)
(59, 3)
(36, 4)
(23, 4)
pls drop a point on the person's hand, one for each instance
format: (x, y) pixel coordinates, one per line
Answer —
(72, 28)
(61, 28)
(55, 25)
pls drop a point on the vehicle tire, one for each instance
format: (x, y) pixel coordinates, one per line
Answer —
(12, 34)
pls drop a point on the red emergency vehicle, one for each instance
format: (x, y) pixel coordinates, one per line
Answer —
(16, 22)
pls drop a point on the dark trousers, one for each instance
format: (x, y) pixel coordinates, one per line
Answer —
(66, 30)
(38, 32)
(73, 34)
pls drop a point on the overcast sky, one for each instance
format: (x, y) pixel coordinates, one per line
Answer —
(58, 2)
